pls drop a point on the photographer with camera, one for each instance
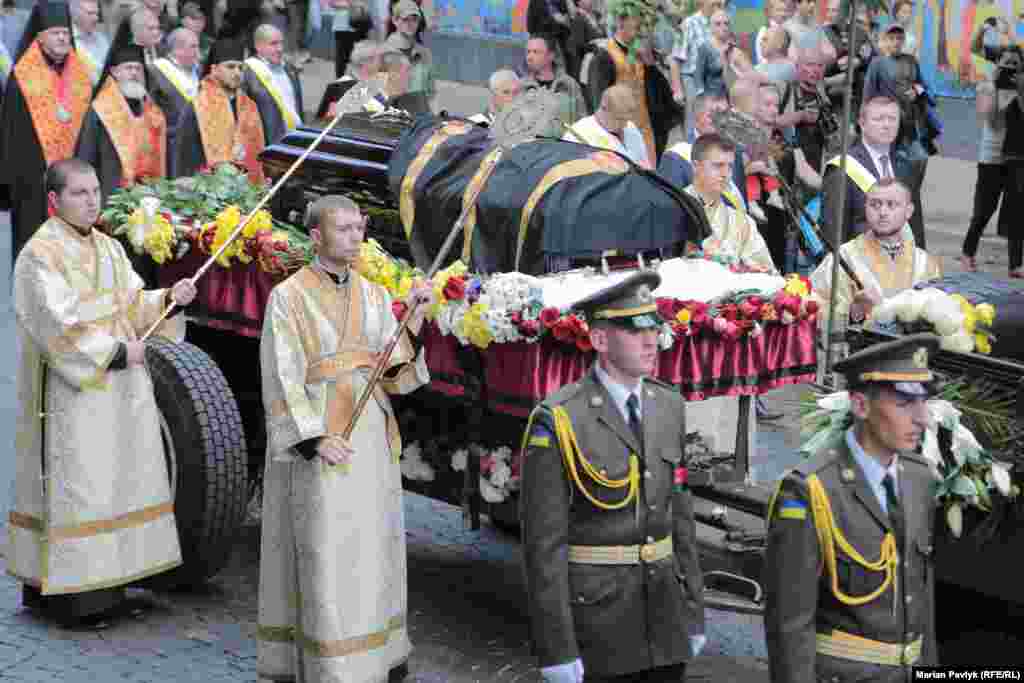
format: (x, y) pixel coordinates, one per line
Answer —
(897, 75)
(804, 106)
(1000, 158)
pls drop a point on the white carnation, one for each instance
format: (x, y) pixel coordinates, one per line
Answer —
(908, 310)
(490, 493)
(500, 474)
(960, 342)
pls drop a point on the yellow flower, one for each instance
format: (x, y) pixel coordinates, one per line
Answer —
(982, 343)
(683, 316)
(159, 240)
(965, 305)
(986, 314)
(474, 327)
(796, 286)
(404, 287)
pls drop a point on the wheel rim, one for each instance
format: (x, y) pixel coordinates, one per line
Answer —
(170, 456)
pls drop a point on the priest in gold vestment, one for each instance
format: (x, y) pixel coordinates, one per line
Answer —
(332, 604)
(625, 59)
(884, 257)
(92, 509)
(124, 135)
(734, 237)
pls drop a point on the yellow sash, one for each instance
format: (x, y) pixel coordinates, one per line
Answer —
(732, 193)
(175, 76)
(857, 172)
(263, 74)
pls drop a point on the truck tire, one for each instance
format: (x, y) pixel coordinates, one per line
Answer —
(206, 452)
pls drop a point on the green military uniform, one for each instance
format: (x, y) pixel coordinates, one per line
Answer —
(833, 613)
(609, 538)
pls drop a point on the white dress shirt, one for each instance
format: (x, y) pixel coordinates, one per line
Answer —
(873, 470)
(876, 155)
(621, 393)
(284, 87)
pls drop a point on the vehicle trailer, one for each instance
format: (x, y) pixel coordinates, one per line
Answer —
(978, 602)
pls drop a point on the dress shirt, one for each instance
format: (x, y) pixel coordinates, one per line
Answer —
(873, 470)
(191, 76)
(95, 43)
(876, 155)
(621, 393)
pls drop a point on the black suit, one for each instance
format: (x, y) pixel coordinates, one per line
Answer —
(274, 126)
(170, 101)
(854, 220)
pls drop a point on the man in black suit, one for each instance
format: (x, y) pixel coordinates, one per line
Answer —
(873, 157)
(174, 79)
(273, 85)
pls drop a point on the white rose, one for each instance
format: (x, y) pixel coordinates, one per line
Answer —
(960, 342)
(909, 308)
(884, 313)
(500, 474)
(949, 323)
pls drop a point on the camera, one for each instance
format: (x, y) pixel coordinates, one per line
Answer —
(1008, 66)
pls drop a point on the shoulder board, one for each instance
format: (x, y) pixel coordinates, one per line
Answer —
(563, 394)
(817, 462)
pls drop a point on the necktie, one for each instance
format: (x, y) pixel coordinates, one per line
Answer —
(886, 171)
(633, 408)
(892, 502)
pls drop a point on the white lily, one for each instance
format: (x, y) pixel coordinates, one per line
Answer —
(1001, 478)
(944, 413)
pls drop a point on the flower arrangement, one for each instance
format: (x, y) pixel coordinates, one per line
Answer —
(190, 206)
(499, 471)
(509, 307)
(961, 326)
(412, 464)
(742, 313)
(966, 475)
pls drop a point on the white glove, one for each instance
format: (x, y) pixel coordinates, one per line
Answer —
(697, 643)
(570, 672)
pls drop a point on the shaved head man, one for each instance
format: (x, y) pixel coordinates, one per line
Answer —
(612, 127)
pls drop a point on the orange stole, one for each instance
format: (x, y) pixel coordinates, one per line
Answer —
(354, 352)
(633, 76)
(140, 142)
(39, 85)
(222, 135)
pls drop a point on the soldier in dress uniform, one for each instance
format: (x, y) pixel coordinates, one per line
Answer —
(609, 539)
(849, 575)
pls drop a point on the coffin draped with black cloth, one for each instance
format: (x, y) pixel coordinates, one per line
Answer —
(547, 203)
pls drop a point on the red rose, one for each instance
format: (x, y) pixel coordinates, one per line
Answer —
(529, 328)
(398, 308)
(668, 308)
(748, 310)
(812, 306)
(755, 301)
(697, 306)
(563, 330)
(744, 326)
(579, 326)
(583, 344)
(682, 476)
(455, 288)
(515, 317)
(787, 302)
(549, 316)
(768, 312)
(486, 464)
(729, 311)
(700, 320)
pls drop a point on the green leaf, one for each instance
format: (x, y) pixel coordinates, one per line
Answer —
(964, 486)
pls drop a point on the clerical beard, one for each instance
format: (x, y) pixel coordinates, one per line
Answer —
(132, 90)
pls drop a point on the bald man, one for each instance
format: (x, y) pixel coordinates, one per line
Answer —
(611, 127)
(272, 84)
(146, 32)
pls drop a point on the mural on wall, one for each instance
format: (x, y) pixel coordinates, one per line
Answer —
(488, 18)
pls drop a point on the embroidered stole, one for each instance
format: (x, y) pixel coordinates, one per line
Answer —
(94, 69)
(633, 75)
(225, 140)
(354, 352)
(176, 78)
(266, 79)
(42, 88)
(140, 142)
